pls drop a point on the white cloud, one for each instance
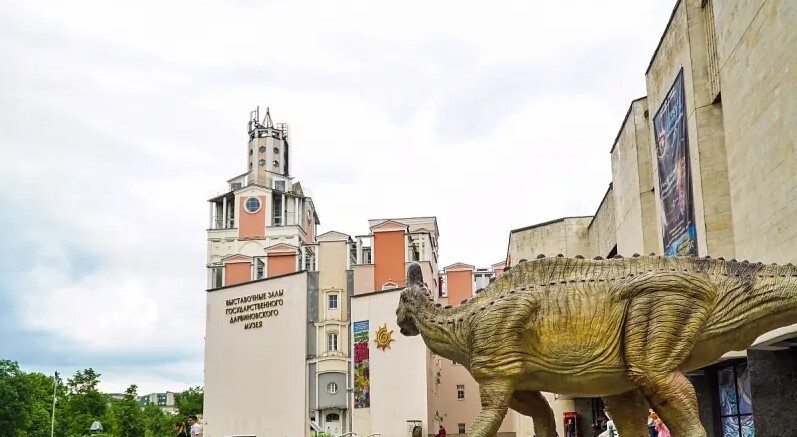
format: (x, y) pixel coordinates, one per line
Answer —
(119, 121)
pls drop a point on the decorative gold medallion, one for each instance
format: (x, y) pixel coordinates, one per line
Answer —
(383, 337)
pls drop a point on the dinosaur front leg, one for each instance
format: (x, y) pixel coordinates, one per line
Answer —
(628, 411)
(495, 395)
(534, 405)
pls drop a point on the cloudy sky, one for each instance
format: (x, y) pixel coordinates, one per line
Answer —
(119, 120)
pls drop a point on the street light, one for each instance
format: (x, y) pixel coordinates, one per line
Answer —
(52, 422)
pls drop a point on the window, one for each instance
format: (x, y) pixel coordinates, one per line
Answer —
(333, 301)
(332, 388)
(216, 277)
(332, 342)
(736, 407)
(461, 428)
(276, 150)
(388, 286)
(279, 185)
(333, 417)
(260, 268)
(460, 392)
(262, 149)
(277, 205)
(252, 205)
(262, 162)
(276, 163)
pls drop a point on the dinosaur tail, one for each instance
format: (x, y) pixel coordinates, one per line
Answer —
(752, 300)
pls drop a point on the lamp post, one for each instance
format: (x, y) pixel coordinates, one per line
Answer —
(52, 422)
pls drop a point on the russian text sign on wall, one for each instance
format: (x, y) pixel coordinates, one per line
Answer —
(362, 381)
(251, 309)
(675, 179)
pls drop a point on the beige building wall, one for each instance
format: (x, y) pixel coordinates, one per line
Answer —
(683, 45)
(333, 249)
(602, 229)
(445, 377)
(632, 183)
(397, 375)
(568, 236)
(240, 366)
(363, 278)
(757, 54)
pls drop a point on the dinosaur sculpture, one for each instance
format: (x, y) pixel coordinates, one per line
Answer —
(624, 329)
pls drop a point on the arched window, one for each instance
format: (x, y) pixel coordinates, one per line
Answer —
(332, 388)
(333, 417)
(388, 286)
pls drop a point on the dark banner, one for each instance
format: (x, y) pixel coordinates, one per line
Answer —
(675, 178)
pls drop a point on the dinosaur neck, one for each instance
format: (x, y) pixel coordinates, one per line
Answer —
(443, 330)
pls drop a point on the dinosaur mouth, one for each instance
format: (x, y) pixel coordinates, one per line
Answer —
(408, 332)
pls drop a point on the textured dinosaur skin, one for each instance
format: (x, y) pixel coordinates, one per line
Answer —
(624, 329)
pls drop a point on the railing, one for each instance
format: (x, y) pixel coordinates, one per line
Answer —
(219, 224)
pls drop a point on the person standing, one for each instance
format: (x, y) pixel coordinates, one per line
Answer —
(442, 431)
(661, 429)
(611, 430)
(194, 429)
(179, 428)
(652, 423)
(570, 428)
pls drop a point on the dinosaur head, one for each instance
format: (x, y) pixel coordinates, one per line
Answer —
(410, 298)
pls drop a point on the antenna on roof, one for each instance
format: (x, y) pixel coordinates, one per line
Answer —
(254, 116)
(267, 120)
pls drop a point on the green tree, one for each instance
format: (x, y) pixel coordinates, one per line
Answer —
(128, 419)
(157, 423)
(83, 404)
(190, 401)
(15, 400)
(41, 391)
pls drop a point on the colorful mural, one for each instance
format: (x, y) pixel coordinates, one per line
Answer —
(736, 404)
(675, 177)
(362, 379)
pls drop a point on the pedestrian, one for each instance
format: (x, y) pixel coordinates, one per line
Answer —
(194, 428)
(179, 428)
(652, 423)
(442, 431)
(661, 429)
(570, 428)
(611, 430)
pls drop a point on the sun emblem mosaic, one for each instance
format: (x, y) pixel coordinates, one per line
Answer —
(383, 337)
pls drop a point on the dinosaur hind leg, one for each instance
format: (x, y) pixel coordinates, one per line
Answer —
(673, 398)
(661, 329)
(628, 411)
(534, 405)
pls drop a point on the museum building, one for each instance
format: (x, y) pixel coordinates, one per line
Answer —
(276, 343)
(705, 165)
(280, 302)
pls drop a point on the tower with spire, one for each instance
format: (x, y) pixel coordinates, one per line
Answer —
(264, 223)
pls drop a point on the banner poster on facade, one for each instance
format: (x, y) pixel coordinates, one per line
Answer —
(362, 379)
(675, 179)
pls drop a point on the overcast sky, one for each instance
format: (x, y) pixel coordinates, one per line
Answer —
(120, 119)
